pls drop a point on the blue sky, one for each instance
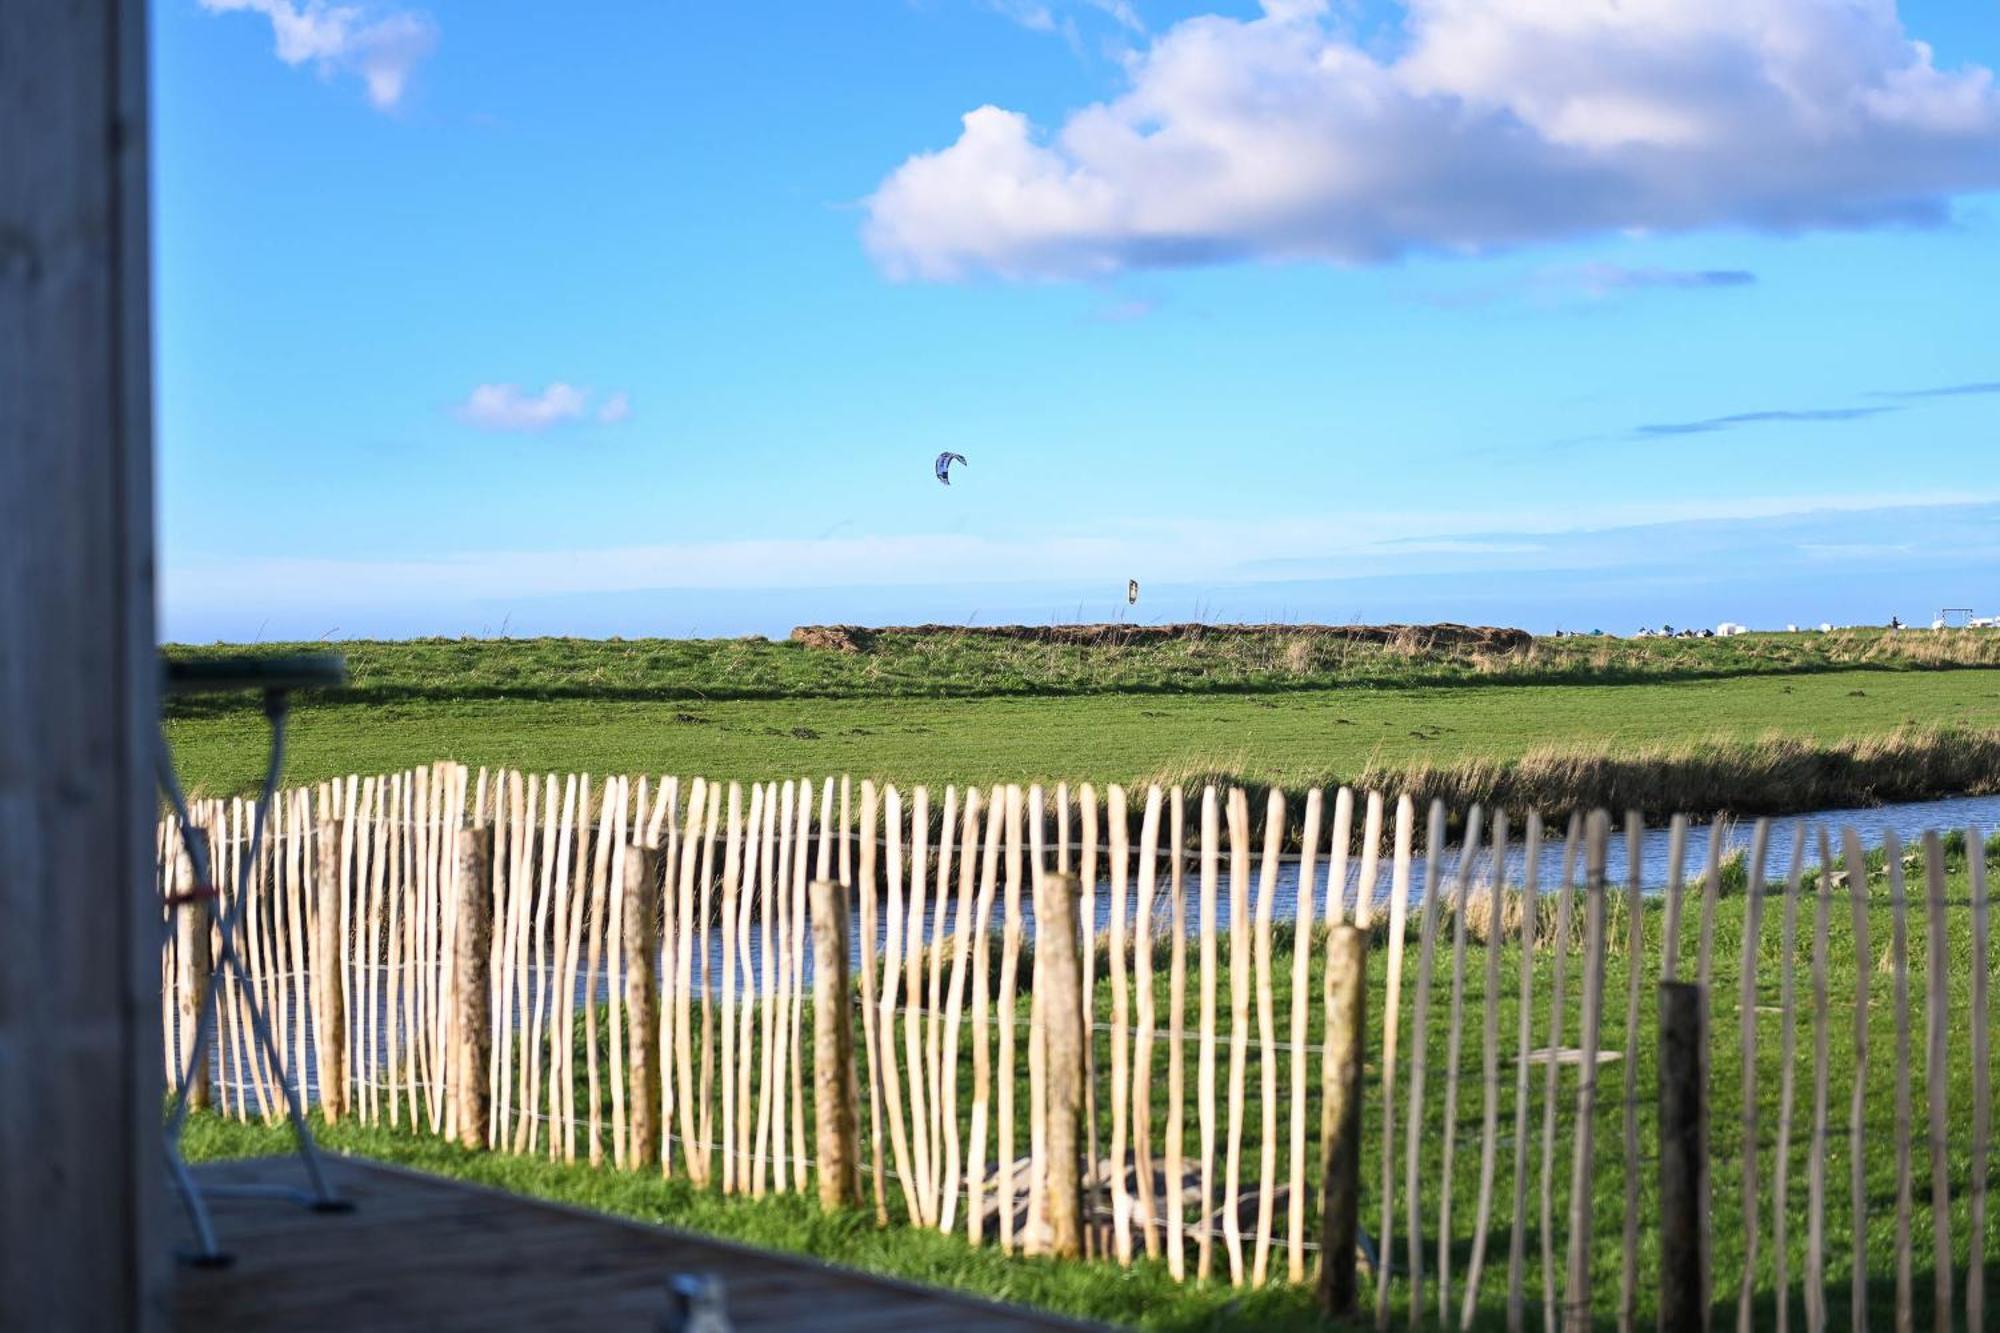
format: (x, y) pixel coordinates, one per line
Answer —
(649, 319)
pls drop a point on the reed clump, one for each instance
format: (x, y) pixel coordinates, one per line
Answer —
(1484, 908)
(1776, 774)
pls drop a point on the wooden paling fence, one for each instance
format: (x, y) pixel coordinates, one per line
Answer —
(656, 975)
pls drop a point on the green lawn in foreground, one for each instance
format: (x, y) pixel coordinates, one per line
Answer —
(1145, 1295)
(1295, 736)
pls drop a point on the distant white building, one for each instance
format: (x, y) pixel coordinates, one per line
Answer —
(1729, 629)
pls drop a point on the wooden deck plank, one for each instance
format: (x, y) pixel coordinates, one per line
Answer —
(420, 1252)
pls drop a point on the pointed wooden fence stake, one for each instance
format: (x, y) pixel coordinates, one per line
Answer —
(1576, 1297)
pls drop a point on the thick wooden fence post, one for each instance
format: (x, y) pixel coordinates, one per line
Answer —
(1064, 1024)
(193, 928)
(472, 1001)
(1341, 1195)
(642, 999)
(833, 1049)
(1683, 1129)
(330, 1038)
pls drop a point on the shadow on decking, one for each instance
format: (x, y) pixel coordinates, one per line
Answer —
(419, 1252)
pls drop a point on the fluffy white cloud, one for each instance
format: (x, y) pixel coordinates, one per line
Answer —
(380, 47)
(509, 407)
(1497, 123)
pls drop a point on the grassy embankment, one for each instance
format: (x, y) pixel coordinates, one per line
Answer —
(1145, 1295)
(1758, 724)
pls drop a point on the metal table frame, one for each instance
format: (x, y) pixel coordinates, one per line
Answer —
(275, 678)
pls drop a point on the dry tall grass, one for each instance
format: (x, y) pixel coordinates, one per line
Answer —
(1776, 774)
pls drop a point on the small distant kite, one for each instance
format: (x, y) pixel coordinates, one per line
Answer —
(944, 462)
(1131, 592)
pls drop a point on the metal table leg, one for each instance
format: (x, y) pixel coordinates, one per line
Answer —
(321, 1196)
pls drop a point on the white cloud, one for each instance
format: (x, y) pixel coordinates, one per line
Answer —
(1120, 12)
(1168, 550)
(1029, 14)
(1039, 16)
(380, 47)
(1598, 280)
(1498, 123)
(509, 407)
(1562, 284)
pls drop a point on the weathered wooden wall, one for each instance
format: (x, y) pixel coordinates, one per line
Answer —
(80, 1162)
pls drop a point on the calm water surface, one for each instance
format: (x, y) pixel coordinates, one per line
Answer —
(1909, 821)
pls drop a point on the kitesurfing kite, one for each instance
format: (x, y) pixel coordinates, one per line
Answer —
(944, 462)
(1131, 592)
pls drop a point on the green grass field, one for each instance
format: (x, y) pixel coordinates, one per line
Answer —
(1145, 1295)
(926, 713)
(945, 663)
(1765, 723)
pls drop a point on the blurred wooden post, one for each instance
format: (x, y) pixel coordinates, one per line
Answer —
(472, 1001)
(1064, 1022)
(833, 1049)
(1341, 1194)
(330, 1038)
(193, 947)
(82, 1241)
(1683, 1153)
(642, 999)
